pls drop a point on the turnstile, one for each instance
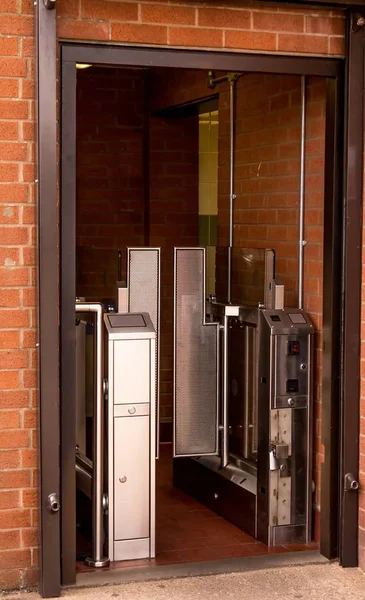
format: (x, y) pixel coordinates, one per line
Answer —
(249, 459)
(242, 408)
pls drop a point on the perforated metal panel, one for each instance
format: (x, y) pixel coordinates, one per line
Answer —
(143, 276)
(196, 359)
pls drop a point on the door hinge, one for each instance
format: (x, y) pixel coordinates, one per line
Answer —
(49, 4)
(53, 503)
(351, 484)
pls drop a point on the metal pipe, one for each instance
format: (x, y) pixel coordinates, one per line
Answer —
(225, 432)
(302, 242)
(97, 559)
(232, 196)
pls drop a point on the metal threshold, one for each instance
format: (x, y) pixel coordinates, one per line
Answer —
(199, 569)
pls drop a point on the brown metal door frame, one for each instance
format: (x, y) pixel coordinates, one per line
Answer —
(48, 300)
(351, 288)
(114, 55)
(50, 474)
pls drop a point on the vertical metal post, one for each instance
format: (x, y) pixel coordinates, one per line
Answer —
(247, 391)
(302, 242)
(225, 432)
(97, 559)
(232, 81)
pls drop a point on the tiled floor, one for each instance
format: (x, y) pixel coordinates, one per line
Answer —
(186, 531)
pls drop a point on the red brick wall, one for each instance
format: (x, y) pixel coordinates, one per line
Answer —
(234, 26)
(110, 175)
(254, 27)
(174, 197)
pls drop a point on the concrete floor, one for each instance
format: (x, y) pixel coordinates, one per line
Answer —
(312, 582)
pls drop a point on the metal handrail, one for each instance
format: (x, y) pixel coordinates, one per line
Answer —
(97, 559)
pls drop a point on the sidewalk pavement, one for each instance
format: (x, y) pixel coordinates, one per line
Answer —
(307, 582)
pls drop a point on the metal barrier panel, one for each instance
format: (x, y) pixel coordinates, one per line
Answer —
(196, 359)
(143, 277)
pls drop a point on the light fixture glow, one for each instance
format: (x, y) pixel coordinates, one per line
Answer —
(82, 66)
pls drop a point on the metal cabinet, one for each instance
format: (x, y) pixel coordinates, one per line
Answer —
(131, 435)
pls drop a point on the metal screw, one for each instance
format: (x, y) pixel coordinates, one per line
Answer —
(123, 479)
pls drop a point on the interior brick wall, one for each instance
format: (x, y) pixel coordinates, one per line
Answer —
(267, 178)
(110, 175)
(174, 197)
(235, 26)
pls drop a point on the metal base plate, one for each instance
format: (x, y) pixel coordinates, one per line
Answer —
(103, 562)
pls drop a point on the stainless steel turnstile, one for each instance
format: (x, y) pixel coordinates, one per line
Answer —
(243, 436)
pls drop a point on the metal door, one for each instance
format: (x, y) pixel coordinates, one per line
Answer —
(196, 359)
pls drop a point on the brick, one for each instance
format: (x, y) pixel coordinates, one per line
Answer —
(13, 479)
(11, 559)
(29, 339)
(14, 318)
(29, 458)
(30, 419)
(12, 276)
(325, 25)
(9, 540)
(81, 30)
(293, 23)
(9, 499)
(9, 459)
(9, 6)
(13, 359)
(9, 172)
(302, 43)
(337, 46)
(13, 109)
(224, 18)
(250, 40)
(16, 24)
(8, 46)
(9, 130)
(9, 215)
(30, 537)
(30, 378)
(13, 399)
(196, 37)
(13, 235)
(13, 192)
(69, 10)
(9, 298)
(139, 34)
(27, 7)
(9, 379)
(14, 439)
(13, 150)
(11, 579)
(9, 419)
(173, 15)
(108, 11)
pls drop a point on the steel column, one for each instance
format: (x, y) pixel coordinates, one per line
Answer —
(352, 256)
(48, 355)
(67, 318)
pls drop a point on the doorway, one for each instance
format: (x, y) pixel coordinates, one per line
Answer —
(144, 179)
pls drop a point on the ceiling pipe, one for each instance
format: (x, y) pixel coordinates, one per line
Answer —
(212, 81)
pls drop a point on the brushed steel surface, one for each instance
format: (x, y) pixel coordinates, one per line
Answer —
(144, 295)
(196, 359)
(132, 357)
(97, 557)
(131, 460)
(131, 410)
(81, 386)
(131, 549)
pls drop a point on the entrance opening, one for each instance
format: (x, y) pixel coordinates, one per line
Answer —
(170, 158)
